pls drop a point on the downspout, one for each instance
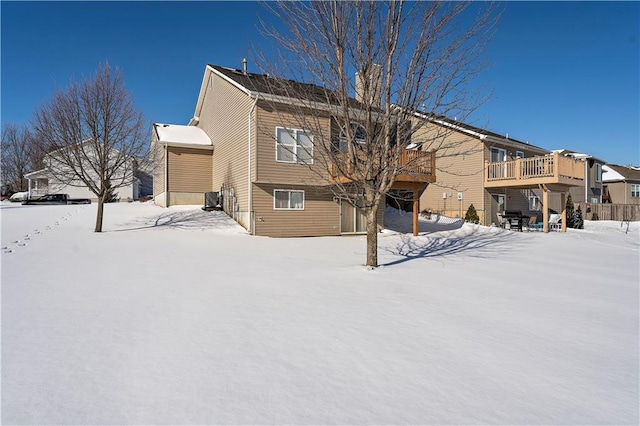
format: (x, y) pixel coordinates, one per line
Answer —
(249, 186)
(166, 176)
(586, 182)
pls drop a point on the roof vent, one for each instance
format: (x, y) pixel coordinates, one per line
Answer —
(244, 65)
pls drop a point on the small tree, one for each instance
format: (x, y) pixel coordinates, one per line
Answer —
(93, 135)
(594, 216)
(578, 221)
(570, 211)
(471, 215)
(18, 157)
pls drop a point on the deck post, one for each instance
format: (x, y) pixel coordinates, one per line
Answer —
(416, 210)
(545, 209)
(563, 203)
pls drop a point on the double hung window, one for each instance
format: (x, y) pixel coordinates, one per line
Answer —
(284, 199)
(294, 146)
(635, 190)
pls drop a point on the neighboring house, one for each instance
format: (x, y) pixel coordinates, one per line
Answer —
(43, 182)
(495, 173)
(591, 191)
(262, 161)
(621, 185)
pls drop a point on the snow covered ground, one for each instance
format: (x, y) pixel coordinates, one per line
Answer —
(176, 316)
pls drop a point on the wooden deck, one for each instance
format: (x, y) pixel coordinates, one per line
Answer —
(553, 170)
(417, 168)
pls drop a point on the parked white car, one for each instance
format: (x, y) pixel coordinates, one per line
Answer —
(19, 196)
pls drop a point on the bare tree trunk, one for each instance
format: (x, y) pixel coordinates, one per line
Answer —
(372, 237)
(100, 214)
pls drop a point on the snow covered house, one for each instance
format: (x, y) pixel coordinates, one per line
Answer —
(137, 182)
(260, 161)
(621, 185)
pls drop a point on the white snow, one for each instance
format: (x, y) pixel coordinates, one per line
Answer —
(177, 316)
(178, 134)
(610, 175)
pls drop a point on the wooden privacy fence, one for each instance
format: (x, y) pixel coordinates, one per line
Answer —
(617, 212)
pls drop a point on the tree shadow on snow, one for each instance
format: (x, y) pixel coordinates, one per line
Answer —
(473, 242)
(195, 220)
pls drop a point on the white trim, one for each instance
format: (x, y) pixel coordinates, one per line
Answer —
(187, 145)
(289, 191)
(232, 81)
(504, 156)
(296, 145)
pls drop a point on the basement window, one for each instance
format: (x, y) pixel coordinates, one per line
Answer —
(285, 199)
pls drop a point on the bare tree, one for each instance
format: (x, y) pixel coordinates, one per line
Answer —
(413, 63)
(18, 156)
(93, 135)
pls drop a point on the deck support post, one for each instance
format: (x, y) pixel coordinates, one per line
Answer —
(545, 208)
(416, 210)
(563, 203)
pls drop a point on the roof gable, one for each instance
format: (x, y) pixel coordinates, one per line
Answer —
(614, 173)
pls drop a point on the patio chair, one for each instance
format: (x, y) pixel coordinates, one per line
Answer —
(534, 225)
(501, 220)
(555, 222)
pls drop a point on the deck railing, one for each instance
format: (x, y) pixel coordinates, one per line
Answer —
(418, 166)
(548, 166)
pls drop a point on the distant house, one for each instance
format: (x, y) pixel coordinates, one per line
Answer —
(591, 191)
(43, 182)
(621, 185)
(495, 173)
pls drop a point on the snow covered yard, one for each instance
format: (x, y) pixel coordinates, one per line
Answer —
(176, 316)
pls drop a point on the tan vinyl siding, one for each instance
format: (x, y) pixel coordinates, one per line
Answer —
(225, 119)
(189, 170)
(459, 168)
(621, 192)
(269, 170)
(320, 217)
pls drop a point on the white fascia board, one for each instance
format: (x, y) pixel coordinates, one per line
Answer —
(480, 136)
(333, 109)
(186, 145)
(230, 80)
(35, 174)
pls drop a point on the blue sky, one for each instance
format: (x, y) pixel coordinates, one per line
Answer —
(563, 75)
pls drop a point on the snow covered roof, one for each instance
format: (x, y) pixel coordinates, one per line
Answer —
(610, 175)
(175, 134)
(615, 173)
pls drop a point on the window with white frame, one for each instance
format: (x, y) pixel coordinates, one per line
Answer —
(286, 199)
(534, 202)
(294, 146)
(519, 154)
(598, 172)
(635, 190)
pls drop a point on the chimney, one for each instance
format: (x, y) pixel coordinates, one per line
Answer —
(244, 65)
(369, 86)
